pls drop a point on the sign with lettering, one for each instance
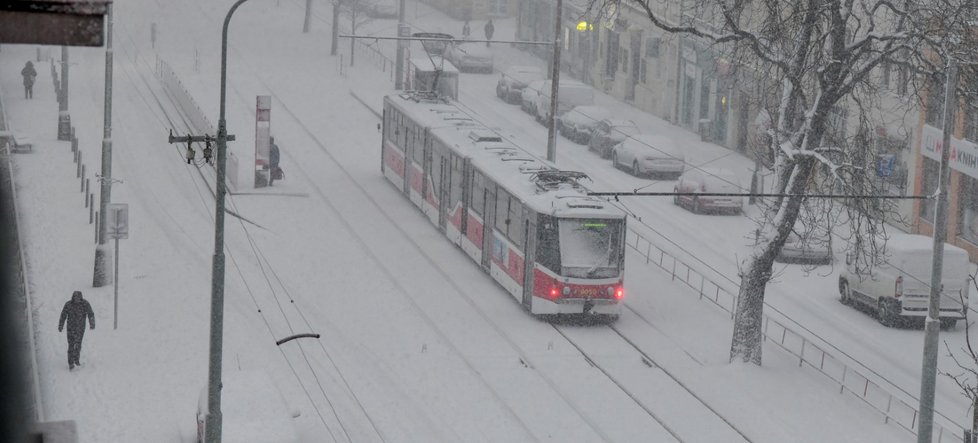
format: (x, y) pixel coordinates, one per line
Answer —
(963, 156)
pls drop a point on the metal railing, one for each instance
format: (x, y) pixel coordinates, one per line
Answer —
(893, 408)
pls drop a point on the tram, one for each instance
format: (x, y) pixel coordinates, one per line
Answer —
(530, 226)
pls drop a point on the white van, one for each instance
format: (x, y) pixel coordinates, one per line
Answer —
(570, 93)
(899, 289)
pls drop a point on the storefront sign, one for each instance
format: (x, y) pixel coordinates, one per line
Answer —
(963, 156)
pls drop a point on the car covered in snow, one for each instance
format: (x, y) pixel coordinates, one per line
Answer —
(709, 181)
(570, 93)
(470, 56)
(529, 94)
(578, 123)
(608, 133)
(253, 410)
(648, 154)
(513, 80)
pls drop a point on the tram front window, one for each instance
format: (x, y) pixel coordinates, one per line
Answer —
(590, 248)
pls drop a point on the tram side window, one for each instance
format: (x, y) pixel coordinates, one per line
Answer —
(515, 231)
(478, 192)
(417, 145)
(548, 246)
(436, 155)
(502, 209)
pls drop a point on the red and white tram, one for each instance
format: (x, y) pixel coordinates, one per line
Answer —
(532, 227)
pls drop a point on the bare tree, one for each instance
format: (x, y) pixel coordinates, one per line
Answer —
(966, 375)
(816, 66)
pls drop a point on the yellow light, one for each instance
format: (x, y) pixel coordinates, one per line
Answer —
(584, 26)
(723, 100)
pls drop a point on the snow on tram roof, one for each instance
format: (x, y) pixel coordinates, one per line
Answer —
(535, 181)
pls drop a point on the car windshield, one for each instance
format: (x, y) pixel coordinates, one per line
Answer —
(589, 248)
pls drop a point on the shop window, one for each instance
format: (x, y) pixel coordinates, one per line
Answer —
(643, 70)
(935, 104)
(968, 221)
(652, 47)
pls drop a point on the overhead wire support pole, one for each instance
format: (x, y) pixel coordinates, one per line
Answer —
(554, 88)
(928, 376)
(102, 275)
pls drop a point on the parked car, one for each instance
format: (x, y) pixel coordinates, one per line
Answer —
(470, 56)
(610, 132)
(252, 410)
(437, 44)
(709, 180)
(813, 247)
(528, 96)
(570, 93)
(899, 288)
(649, 154)
(380, 8)
(578, 123)
(513, 80)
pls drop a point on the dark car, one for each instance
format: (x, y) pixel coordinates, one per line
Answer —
(608, 133)
(578, 123)
(814, 249)
(709, 181)
(513, 80)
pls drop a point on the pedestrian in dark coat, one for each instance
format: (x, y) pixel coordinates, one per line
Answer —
(29, 75)
(273, 158)
(75, 312)
(489, 30)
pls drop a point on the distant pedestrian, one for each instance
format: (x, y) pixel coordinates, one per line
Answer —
(274, 172)
(29, 75)
(489, 30)
(75, 312)
(466, 30)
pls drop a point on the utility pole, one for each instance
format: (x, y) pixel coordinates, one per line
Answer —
(554, 87)
(932, 324)
(402, 30)
(336, 27)
(102, 269)
(305, 23)
(64, 119)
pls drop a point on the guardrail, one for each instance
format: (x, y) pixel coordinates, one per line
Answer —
(894, 409)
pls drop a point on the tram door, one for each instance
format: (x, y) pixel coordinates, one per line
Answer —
(408, 155)
(529, 256)
(445, 180)
(489, 219)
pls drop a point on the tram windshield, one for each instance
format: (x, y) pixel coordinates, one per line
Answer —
(590, 248)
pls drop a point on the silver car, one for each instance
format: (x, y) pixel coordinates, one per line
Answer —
(647, 154)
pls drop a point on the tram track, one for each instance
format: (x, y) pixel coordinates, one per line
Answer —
(523, 355)
(639, 354)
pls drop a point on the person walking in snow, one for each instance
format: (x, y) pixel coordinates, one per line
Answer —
(29, 75)
(273, 158)
(489, 30)
(75, 312)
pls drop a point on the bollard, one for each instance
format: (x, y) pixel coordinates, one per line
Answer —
(82, 184)
(87, 199)
(74, 144)
(78, 168)
(38, 54)
(96, 227)
(91, 208)
(86, 190)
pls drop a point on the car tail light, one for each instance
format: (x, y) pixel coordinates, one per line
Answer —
(898, 287)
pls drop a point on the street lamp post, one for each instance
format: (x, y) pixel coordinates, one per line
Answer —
(213, 423)
(554, 88)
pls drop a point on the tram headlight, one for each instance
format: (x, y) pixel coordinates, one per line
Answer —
(620, 293)
(553, 293)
